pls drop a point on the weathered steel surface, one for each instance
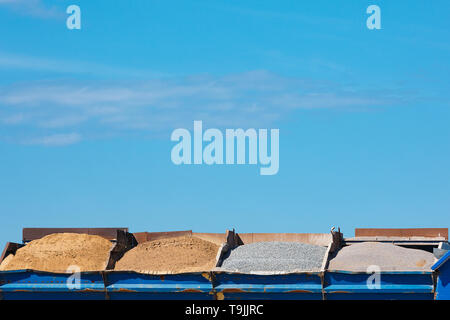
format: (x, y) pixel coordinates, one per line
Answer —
(27, 284)
(231, 242)
(35, 285)
(442, 269)
(411, 232)
(150, 236)
(124, 285)
(321, 239)
(293, 286)
(29, 234)
(140, 236)
(125, 241)
(404, 285)
(10, 248)
(217, 238)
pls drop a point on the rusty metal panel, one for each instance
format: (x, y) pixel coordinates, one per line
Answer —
(320, 239)
(231, 242)
(291, 286)
(217, 238)
(407, 232)
(169, 234)
(29, 234)
(124, 285)
(125, 241)
(10, 248)
(140, 236)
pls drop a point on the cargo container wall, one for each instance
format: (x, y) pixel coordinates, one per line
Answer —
(402, 285)
(36, 285)
(442, 269)
(125, 285)
(265, 285)
(291, 286)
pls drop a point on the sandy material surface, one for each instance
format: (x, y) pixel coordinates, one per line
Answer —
(56, 252)
(389, 257)
(6, 261)
(173, 255)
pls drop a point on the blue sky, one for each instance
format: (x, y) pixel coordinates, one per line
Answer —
(86, 115)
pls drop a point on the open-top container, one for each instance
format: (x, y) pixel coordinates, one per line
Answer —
(295, 285)
(386, 285)
(38, 285)
(164, 285)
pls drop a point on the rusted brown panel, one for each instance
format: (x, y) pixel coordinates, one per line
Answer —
(29, 234)
(321, 239)
(10, 248)
(217, 238)
(230, 242)
(125, 242)
(245, 238)
(191, 291)
(108, 233)
(406, 232)
(231, 290)
(232, 239)
(124, 290)
(170, 234)
(140, 236)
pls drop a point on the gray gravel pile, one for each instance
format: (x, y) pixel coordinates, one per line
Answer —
(389, 257)
(275, 256)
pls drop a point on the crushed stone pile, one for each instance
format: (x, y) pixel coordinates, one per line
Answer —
(56, 252)
(389, 257)
(172, 255)
(275, 256)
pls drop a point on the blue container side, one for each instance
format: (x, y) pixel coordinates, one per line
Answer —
(379, 296)
(306, 286)
(37, 285)
(344, 285)
(133, 285)
(443, 260)
(443, 282)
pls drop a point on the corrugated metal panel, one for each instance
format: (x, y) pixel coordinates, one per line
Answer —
(293, 286)
(125, 285)
(35, 285)
(404, 285)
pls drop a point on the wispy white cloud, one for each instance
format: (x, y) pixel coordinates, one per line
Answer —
(35, 8)
(21, 62)
(91, 109)
(55, 140)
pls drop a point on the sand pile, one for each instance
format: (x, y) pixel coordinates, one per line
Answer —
(389, 257)
(56, 252)
(172, 255)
